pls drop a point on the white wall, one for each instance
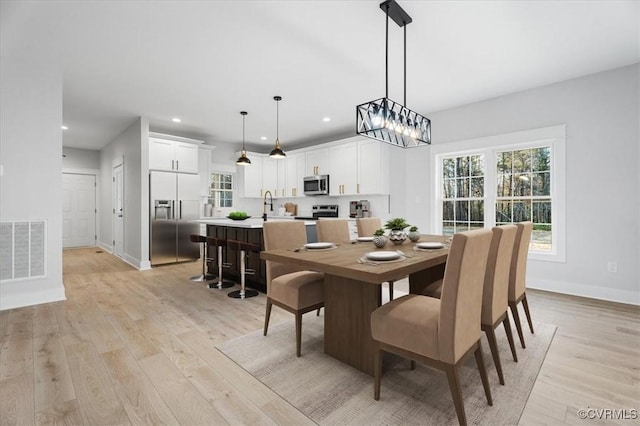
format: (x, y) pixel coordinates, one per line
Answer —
(130, 148)
(601, 113)
(80, 159)
(31, 159)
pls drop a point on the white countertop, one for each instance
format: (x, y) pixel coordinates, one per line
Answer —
(252, 222)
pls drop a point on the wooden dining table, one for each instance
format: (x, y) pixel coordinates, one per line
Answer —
(352, 290)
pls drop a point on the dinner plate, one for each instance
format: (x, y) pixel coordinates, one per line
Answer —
(365, 239)
(383, 255)
(313, 246)
(430, 245)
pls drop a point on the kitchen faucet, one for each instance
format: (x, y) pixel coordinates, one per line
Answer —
(264, 212)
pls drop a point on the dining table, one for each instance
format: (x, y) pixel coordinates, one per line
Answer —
(352, 286)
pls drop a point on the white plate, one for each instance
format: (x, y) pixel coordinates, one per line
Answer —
(365, 239)
(383, 255)
(313, 246)
(430, 245)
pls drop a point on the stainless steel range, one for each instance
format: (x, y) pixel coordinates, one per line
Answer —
(321, 210)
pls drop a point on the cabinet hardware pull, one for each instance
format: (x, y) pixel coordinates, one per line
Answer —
(177, 164)
(172, 164)
(358, 188)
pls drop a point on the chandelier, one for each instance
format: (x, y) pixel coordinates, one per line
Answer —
(243, 160)
(387, 120)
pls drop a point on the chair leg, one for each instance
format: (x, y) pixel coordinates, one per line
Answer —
(377, 371)
(493, 345)
(525, 305)
(507, 329)
(298, 333)
(391, 290)
(318, 312)
(483, 374)
(456, 392)
(516, 320)
(267, 315)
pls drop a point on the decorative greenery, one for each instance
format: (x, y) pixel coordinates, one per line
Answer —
(397, 224)
(378, 233)
(413, 229)
(238, 215)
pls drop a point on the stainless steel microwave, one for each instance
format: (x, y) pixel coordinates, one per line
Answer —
(316, 185)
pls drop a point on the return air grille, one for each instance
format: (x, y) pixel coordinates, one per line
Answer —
(22, 249)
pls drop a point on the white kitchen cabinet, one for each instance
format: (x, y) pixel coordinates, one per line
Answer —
(250, 177)
(343, 165)
(295, 173)
(373, 167)
(270, 175)
(173, 156)
(317, 162)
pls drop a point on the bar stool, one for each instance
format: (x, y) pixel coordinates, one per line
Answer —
(195, 238)
(221, 283)
(244, 248)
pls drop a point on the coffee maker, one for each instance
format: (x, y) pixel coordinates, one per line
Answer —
(360, 208)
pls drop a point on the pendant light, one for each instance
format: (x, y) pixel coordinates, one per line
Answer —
(277, 152)
(243, 160)
(387, 120)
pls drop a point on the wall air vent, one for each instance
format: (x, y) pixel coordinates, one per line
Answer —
(22, 249)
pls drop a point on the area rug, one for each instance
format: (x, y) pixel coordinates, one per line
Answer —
(332, 393)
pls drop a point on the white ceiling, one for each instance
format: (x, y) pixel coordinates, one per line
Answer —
(205, 61)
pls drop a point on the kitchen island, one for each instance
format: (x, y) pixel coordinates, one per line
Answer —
(250, 231)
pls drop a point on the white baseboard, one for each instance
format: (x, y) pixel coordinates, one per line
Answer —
(105, 246)
(590, 291)
(37, 297)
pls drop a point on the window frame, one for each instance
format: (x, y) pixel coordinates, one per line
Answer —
(212, 190)
(554, 137)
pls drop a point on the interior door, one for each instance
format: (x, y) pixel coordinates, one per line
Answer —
(79, 210)
(118, 210)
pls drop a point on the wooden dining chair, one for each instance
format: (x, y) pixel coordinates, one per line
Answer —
(494, 295)
(366, 226)
(333, 230)
(288, 286)
(518, 275)
(440, 333)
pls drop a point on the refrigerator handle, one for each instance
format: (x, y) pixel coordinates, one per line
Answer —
(180, 209)
(173, 209)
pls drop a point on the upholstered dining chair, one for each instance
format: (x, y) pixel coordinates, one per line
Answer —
(366, 226)
(518, 275)
(440, 333)
(494, 295)
(288, 286)
(333, 230)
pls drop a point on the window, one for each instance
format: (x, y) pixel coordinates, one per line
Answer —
(523, 192)
(221, 190)
(462, 193)
(504, 179)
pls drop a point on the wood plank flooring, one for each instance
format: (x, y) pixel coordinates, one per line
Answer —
(138, 347)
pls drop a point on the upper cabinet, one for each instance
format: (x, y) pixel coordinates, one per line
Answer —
(172, 155)
(343, 169)
(373, 167)
(273, 176)
(294, 175)
(317, 162)
(250, 177)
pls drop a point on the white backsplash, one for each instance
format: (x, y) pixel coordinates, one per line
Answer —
(379, 204)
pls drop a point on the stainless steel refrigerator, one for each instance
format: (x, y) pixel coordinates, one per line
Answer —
(174, 204)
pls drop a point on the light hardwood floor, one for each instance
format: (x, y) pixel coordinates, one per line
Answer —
(132, 347)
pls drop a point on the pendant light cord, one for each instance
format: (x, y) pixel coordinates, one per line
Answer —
(278, 121)
(386, 57)
(405, 65)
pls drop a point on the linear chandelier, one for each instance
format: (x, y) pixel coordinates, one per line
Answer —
(387, 120)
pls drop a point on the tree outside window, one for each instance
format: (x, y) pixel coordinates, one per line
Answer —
(462, 193)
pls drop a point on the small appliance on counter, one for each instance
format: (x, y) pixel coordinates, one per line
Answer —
(318, 211)
(360, 208)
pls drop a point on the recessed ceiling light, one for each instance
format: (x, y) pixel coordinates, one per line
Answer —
(263, 138)
(326, 119)
(176, 120)
(63, 127)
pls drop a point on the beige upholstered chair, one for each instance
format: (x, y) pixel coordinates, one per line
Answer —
(440, 333)
(494, 295)
(366, 226)
(333, 230)
(289, 287)
(517, 277)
